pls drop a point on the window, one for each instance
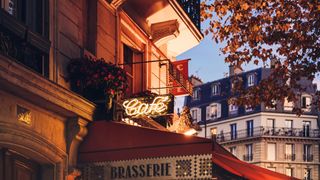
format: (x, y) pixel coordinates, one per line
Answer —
(33, 14)
(306, 102)
(250, 128)
(306, 128)
(134, 71)
(213, 111)
(289, 172)
(289, 124)
(233, 131)
(196, 94)
(271, 152)
(249, 153)
(290, 153)
(233, 150)
(233, 109)
(272, 106)
(251, 80)
(287, 106)
(248, 108)
(271, 126)
(307, 174)
(29, 42)
(215, 89)
(307, 153)
(196, 114)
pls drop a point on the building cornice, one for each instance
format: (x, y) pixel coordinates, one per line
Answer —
(24, 83)
(186, 19)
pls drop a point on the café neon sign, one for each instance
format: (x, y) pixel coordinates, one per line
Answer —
(145, 106)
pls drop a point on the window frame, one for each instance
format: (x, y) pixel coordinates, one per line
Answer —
(306, 107)
(233, 131)
(215, 89)
(196, 94)
(251, 80)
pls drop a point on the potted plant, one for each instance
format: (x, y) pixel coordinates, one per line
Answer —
(97, 79)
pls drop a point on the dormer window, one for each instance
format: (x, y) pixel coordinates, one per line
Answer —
(215, 89)
(213, 111)
(196, 94)
(287, 106)
(251, 80)
(195, 114)
(233, 108)
(306, 102)
(248, 108)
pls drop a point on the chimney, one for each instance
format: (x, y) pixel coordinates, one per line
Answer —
(274, 63)
(231, 70)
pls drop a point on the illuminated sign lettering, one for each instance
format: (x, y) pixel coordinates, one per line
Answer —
(157, 106)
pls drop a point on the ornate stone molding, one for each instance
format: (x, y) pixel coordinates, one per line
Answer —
(162, 32)
(30, 86)
(76, 132)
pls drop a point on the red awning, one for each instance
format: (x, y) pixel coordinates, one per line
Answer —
(109, 141)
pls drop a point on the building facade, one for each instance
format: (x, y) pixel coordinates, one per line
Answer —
(42, 120)
(272, 138)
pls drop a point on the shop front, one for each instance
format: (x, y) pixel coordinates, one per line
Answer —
(119, 151)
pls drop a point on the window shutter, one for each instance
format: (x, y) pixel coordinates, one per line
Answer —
(208, 111)
(199, 114)
(218, 110)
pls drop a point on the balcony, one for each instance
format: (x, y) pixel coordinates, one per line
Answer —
(192, 8)
(269, 132)
(290, 157)
(22, 45)
(248, 157)
(307, 157)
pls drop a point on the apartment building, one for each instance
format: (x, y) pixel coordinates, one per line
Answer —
(273, 138)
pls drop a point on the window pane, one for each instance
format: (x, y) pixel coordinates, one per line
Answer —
(271, 156)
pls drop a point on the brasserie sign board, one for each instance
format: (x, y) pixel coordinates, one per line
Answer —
(181, 167)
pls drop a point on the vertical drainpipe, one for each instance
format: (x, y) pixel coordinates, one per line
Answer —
(117, 36)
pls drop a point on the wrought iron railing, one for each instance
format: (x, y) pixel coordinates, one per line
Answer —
(192, 8)
(248, 157)
(290, 157)
(307, 157)
(19, 43)
(266, 131)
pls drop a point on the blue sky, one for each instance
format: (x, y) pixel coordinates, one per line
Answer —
(207, 62)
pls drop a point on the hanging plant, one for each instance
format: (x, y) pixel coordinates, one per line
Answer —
(96, 79)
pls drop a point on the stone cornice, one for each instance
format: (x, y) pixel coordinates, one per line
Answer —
(22, 82)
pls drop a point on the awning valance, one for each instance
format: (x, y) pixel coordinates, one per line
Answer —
(109, 141)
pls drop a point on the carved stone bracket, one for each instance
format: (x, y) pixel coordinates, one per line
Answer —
(76, 131)
(162, 32)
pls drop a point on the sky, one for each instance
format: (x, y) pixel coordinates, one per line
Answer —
(207, 62)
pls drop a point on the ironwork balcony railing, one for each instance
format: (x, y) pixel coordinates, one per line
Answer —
(192, 8)
(21, 44)
(290, 157)
(307, 157)
(265, 131)
(248, 157)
